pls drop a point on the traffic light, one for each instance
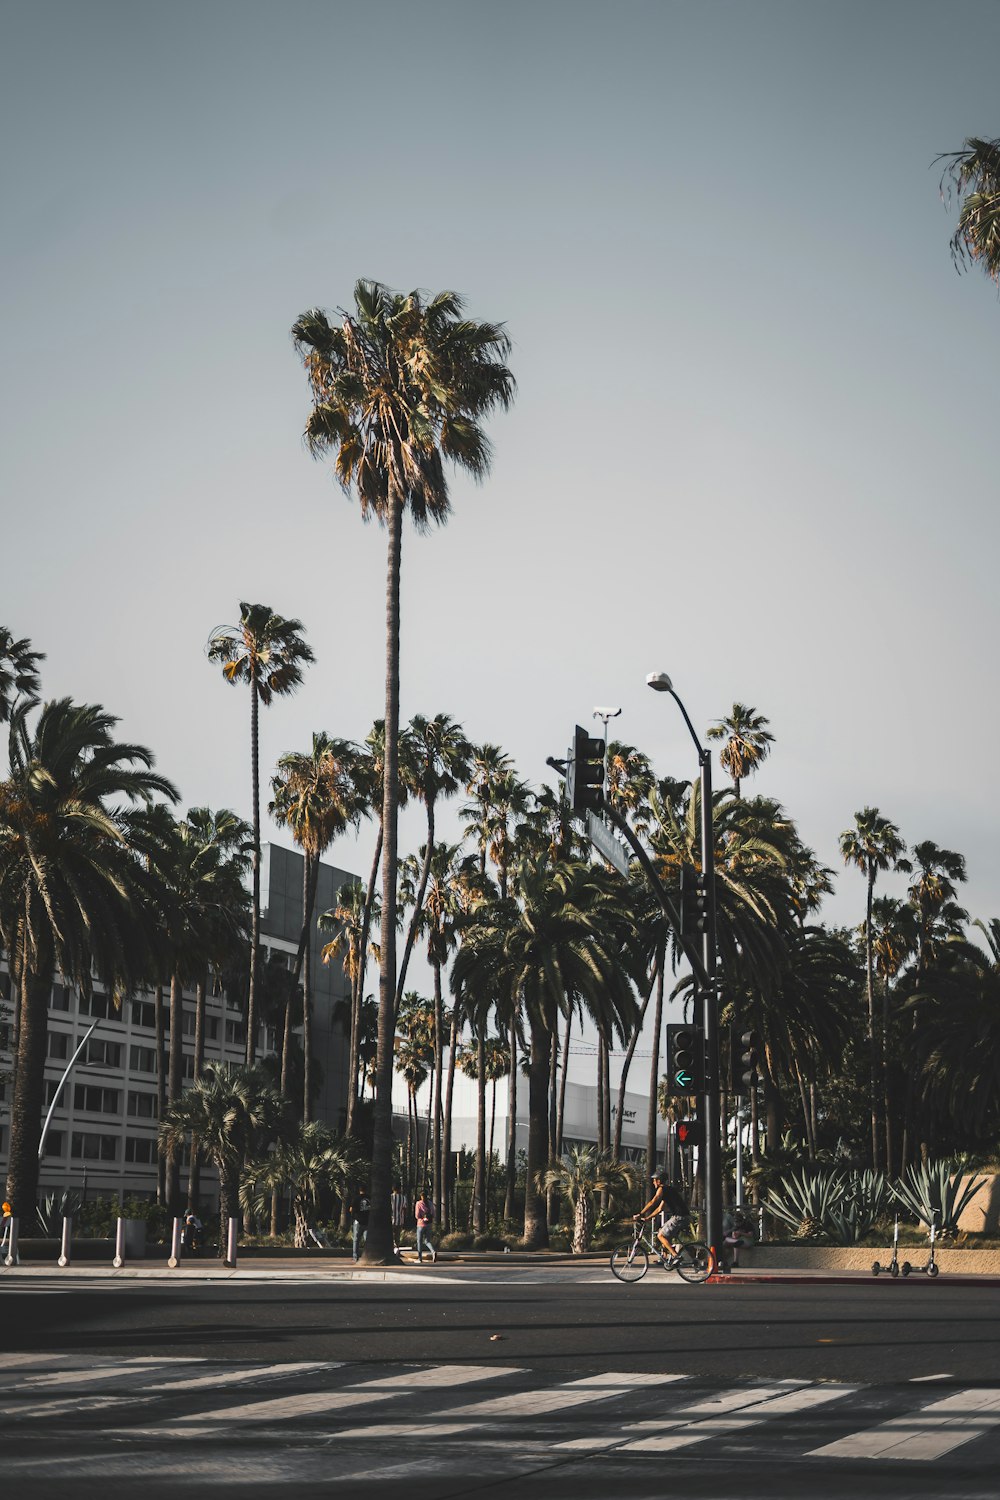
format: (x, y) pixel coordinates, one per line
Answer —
(585, 772)
(689, 1133)
(686, 1059)
(749, 1056)
(693, 902)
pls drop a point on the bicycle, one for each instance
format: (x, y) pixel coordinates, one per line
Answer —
(693, 1262)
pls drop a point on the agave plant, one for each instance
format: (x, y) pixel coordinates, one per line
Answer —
(932, 1191)
(805, 1201)
(54, 1208)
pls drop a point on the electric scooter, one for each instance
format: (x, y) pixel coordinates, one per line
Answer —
(930, 1266)
(892, 1269)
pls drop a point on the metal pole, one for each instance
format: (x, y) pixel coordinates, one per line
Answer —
(739, 1157)
(12, 1258)
(232, 1233)
(175, 1245)
(66, 1250)
(712, 1153)
(119, 1259)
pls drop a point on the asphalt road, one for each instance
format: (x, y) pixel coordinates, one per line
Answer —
(882, 1330)
(592, 1391)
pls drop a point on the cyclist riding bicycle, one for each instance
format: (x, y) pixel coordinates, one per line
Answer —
(668, 1204)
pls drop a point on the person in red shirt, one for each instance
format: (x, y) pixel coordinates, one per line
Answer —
(423, 1212)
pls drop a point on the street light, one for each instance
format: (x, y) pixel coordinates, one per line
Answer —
(661, 683)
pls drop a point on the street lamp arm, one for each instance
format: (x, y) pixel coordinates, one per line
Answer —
(702, 752)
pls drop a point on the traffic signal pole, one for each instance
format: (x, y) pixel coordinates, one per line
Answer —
(710, 1100)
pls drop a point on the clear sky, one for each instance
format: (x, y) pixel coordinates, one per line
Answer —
(754, 443)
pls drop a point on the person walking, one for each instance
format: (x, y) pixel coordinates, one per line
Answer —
(358, 1212)
(399, 1204)
(423, 1212)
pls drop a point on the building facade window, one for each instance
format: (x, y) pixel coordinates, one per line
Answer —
(55, 1144)
(97, 1100)
(99, 1007)
(144, 1014)
(140, 1148)
(142, 1059)
(57, 1046)
(104, 1053)
(89, 1147)
(141, 1105)
(60, 998)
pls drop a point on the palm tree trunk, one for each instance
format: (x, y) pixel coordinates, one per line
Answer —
(175, 1086)
(872, 1039)
(489, 1154)
(511, 1186)
(886, 1102)
(194, 1172)
(479, 1213)
(358, 991)
(449, 1094)
(29, 1094)
(616, 1144)
(551, 1193)
(437, 1175)
(251, 1051)
(379, 1246)
(803, 1100)
(411, 932)
(601, 1142)
(161, 1092)
(654, 1066)
(311, 879)
(536, 1232)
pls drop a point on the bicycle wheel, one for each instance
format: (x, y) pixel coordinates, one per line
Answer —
(630, 1262)
(694, 1262)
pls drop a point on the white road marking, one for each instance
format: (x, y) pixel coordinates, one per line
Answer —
(437, 1375)
(408, 1429)
(62, 1378)
(280, 1408)
(679, 1433)
(924, 1434)
(616, 1378)
(534, 1403)
(235, 1377)
(12, 1362)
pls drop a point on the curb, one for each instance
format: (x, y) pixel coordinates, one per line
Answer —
(860, 1278)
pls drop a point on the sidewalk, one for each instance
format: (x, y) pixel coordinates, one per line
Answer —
(327, 1268)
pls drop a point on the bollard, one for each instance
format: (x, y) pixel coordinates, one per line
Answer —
(66, 1251)
(175, 1245)
(12, 1258)
(232, 1234)
(119, 1259)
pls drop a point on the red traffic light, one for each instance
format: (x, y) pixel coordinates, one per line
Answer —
(689, 1133)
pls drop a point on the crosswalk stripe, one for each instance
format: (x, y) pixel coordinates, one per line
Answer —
(9, 1363)
(59, 1380)
(436, 1376)
(533, 1403)
(280, 1408)
(617, 1378)
(235, 1377)
(924, 1434)
(678, 1433)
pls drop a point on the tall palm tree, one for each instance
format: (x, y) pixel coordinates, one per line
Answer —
(498, 797)
(315, 798)
(414, 1054)
(975, 172)
(440, 753)
(18, 671)
(75, 893)
(564, 939)
(398, 386)
(872, 846)
(747, 744)
(268, 652)
(233, 1113)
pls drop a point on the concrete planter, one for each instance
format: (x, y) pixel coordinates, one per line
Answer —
(859, 1258)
